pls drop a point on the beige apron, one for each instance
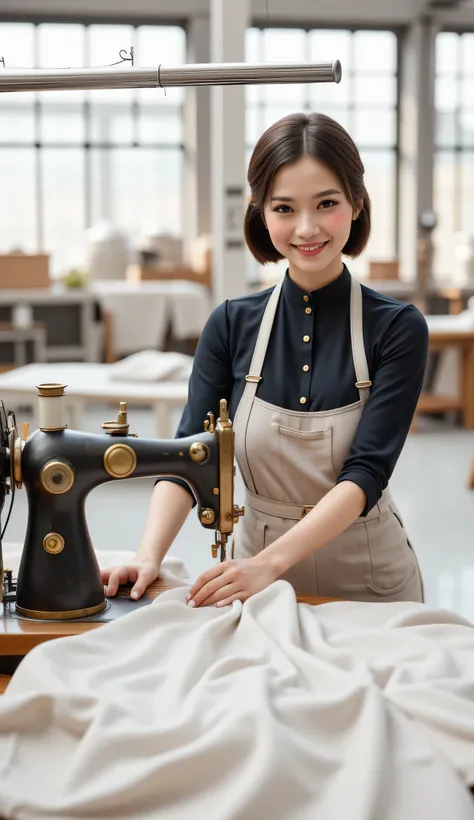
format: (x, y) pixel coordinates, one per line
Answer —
(289, 460)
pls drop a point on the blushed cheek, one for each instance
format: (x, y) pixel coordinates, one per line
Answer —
(279, 234)
(337, 223)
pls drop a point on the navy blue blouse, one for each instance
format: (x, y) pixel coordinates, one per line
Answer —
(320, 370)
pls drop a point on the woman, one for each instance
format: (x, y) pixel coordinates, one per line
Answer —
(336, 370)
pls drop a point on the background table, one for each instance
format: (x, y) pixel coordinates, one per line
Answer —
(88, 383)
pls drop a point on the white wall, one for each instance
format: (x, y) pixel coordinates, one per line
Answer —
(374, 12)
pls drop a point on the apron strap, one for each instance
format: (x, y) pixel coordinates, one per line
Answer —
(254, 377)
(363, 382)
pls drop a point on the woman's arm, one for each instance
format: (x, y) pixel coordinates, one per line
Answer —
(332, 515)
(238, 580)
(172, 499)
(388, 414)
(211, 380)
(169, 507)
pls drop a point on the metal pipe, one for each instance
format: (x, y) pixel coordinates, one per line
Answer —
(33, 79)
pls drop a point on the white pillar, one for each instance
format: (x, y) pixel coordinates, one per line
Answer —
(229, 20)
(197, 137)
(417, 124)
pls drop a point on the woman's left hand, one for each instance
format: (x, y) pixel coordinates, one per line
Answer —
(234, 580)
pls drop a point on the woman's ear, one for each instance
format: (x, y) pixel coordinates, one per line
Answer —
(358, 207)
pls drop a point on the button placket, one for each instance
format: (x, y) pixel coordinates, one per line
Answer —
(307, 337)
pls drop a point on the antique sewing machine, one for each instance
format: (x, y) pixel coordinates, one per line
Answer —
(59, 577)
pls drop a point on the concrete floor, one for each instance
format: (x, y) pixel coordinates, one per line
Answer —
(429, 487)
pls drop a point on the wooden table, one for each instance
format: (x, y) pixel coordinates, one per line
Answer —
(18, 636)
(463, 403)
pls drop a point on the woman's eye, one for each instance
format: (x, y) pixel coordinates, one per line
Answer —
(279, 211)
(327, 203)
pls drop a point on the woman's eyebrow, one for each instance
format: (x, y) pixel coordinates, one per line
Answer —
(329, 192)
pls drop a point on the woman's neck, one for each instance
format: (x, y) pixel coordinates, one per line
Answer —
(319, 279)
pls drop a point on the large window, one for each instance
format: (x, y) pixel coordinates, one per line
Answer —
(365, 102)
(71, 158)
(454, 159)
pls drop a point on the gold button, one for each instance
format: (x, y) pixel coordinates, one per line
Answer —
(303, 400)
(306, 298)
(306, 368)
(305, 338)
(308, 310)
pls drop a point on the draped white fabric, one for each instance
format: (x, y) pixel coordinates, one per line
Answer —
(142, 311)
(270, 709)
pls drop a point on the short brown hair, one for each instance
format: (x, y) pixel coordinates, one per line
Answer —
(287, 140)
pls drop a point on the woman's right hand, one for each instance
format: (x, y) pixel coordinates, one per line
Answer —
(139, 572)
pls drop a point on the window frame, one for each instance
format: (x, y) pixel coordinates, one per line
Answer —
(87, 145)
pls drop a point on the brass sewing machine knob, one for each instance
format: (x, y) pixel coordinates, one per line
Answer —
(207, 516)
(210, 423)
(121, 425)
(199, 452)
(120, 460)
(238, 513)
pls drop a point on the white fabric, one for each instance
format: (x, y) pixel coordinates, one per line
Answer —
(266, 710)
(190, 306)
(152, 366)
(142, 311)
(138, 320)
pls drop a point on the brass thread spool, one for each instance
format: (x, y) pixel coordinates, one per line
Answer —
(51, 406)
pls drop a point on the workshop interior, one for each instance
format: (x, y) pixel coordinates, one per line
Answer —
(126, 136)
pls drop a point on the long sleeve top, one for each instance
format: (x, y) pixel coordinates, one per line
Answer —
(321, 370)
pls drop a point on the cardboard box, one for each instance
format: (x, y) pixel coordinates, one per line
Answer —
(21, 270)
(137, 273)
(384, 270)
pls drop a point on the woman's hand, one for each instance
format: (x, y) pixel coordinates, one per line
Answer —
(140, 573)
(231, 581)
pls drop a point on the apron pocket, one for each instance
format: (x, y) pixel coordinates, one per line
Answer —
(308, 435)
(305, 462)
(389, 561)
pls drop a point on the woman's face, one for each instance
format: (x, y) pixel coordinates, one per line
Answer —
(309, 221)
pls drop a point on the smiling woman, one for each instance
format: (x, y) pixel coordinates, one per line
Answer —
(322, 376)
(309, 202)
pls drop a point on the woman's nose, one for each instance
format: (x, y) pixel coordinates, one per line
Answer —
(307, 226)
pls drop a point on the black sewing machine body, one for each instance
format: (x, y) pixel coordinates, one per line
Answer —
(59, 577)
(59, 571)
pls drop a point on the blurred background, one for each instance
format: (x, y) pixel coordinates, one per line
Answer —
(121, 222)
